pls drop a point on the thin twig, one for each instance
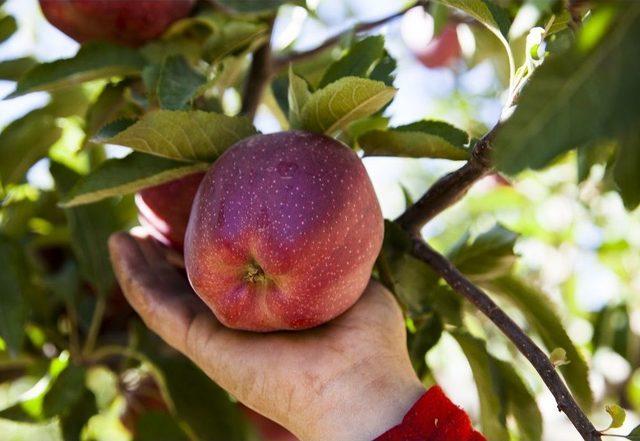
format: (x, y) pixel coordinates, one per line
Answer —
(450, 188)
(540, 361)
(283, 61)
(96, 323)
(258, 79)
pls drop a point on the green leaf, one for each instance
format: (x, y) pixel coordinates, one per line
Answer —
(194, 135)
(385, 70)
(17, 431)
(427, 335)
(331, 109)
(357, 61)
(233, 37)
(494, 17)
(626, 170)
(599, 152)
(412, 281)
(104, 110)
(111, 129)
(199, 402)
(298, 95)
(617, 414)
(154, 426)
(90, 227)
(541, 314)
(424, 139)
(65, 392)
(13, 307)
(486, 12)
(488, 256)
(117, 177)
(491, 392)
(521, 403)
(8, 27)
(93, 61)
(103, 382)
(12, 70)
(586, 94)
(24, 142)
(178, 83)
(558, 357)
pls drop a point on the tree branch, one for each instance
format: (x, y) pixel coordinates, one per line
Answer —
(282, 62)
(257, 80)
(450, 188)
(540, 361)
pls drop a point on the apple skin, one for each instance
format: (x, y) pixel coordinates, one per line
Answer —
(443, 50)
(164, 209)
(284, 232)
(125, 22)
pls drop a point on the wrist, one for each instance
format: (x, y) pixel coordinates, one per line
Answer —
(374, 407)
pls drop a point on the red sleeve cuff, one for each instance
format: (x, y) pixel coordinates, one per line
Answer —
(433, 418)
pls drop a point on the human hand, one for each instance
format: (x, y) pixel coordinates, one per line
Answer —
(350, 379)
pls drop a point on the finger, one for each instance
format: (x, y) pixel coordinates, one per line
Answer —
(165, 303)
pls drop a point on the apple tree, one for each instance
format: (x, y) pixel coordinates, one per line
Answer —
(175, 84)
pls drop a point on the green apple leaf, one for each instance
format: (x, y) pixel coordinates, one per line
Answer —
(544, 319)
(13, 306)
(19, 431)
(494, 17)
(424, 139)
(117, 177)
(385, 69)
(489, 384)
(24, 142)
(357, 61)
(488, 256)
(12, 70)
(521, 403)
(105, 109)
(155, 425)
(233, 37)
(626, 170)
(67, 389)
(8, 27)
(298, 96)
(585, 94)
(178, 83)
(90, 227)
(199, 402)
(181, 135)
(93, 61)
(331, 109)
(617, 414)
(427, 335)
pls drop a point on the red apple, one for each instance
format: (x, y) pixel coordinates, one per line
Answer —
(127, 22)
(164, 209)
(432, 50)
(283, 233)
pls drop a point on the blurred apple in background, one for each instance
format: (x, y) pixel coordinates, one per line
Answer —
(130, 23)
(418, 33)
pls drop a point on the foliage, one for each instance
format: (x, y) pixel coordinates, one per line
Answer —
(75, 362)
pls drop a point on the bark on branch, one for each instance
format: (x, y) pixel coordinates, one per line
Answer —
(450, 188)
(540, 361)
(282, 62)
(444, 193)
